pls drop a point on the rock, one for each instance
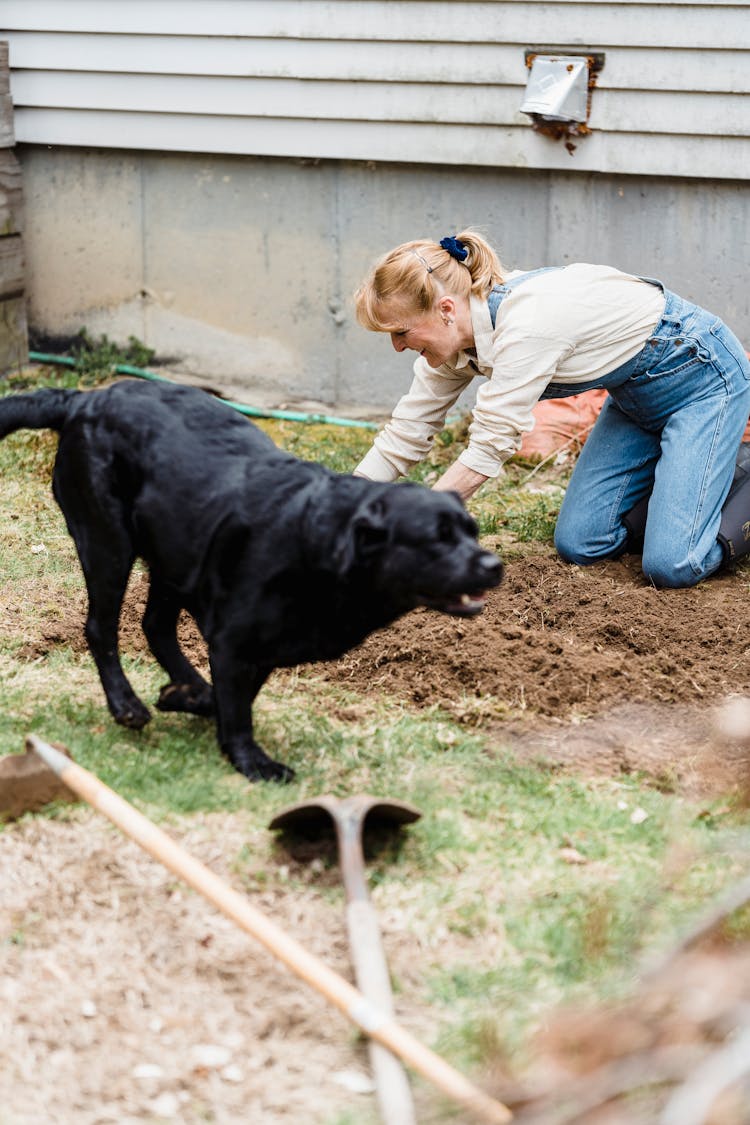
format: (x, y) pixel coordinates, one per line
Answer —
(210, 1055)
(147, 1071)
(232, 1073)
(166, 1106)
(354, 1081)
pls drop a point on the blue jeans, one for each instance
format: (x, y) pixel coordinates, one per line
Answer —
(671, 427)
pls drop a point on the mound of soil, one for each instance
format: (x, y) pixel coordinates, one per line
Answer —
(557, 640)
(589, 668)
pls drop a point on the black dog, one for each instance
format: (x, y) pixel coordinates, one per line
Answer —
(279, 561)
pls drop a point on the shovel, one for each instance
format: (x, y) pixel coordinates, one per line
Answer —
(348, 816)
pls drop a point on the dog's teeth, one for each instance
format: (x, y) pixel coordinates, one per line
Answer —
(467, 599)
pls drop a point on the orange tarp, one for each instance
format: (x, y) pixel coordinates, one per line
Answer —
(565, 423)
(562, 423)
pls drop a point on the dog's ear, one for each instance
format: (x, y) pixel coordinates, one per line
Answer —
(362, 538)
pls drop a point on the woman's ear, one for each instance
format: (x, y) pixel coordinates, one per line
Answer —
(446, 307)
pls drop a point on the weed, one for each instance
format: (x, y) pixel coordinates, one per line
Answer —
(534, 521)
(100, 357)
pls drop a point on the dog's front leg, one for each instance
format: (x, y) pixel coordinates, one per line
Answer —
(236, 683)
(186, 690)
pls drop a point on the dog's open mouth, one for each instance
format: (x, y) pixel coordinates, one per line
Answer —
(461, 605)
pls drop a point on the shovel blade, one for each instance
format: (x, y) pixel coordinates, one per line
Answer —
(319, 816)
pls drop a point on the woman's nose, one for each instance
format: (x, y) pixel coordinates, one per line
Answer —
(398, 342)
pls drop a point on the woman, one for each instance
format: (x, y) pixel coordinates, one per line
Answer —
(661, 458)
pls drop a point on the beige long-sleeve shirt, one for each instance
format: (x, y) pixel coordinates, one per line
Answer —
(571, 325)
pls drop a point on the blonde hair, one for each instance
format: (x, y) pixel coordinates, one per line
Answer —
(406, 277)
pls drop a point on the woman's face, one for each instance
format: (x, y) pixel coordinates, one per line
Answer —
(436, 335)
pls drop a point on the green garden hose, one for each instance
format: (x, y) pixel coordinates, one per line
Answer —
(250, 411)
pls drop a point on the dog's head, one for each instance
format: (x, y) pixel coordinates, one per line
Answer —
(419, 547)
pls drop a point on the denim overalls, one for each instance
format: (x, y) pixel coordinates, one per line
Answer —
(671, 426)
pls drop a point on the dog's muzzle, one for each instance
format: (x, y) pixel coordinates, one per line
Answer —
(488, 571)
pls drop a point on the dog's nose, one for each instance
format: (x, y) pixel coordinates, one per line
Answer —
(492, 568)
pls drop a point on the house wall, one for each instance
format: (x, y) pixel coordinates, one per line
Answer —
(244, 267)
(433, 81)
(215, 177)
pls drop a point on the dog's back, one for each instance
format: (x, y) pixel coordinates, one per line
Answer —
(164, 464)
(164, 421)
(133, 435)
(155, 467)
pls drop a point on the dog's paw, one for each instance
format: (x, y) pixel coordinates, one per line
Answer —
(257, 766)
(277, 771)
(132, 715)
(195, 699)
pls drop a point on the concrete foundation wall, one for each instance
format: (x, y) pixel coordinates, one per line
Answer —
(241, 269)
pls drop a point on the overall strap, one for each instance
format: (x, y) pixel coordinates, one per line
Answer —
(500, 291)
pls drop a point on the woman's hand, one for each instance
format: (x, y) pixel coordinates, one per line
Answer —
(461, 479)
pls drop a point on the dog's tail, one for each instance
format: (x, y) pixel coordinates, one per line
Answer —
(41, 410)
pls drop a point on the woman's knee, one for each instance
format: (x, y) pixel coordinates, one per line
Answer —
(669, 573)
(569, 550)
(582, 546)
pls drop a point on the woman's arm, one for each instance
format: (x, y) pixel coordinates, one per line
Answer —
(418, 416)
(461, 479)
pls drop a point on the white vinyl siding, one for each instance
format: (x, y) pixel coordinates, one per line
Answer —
(419, 81)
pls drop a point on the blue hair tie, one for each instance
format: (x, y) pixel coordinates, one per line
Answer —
(455, 248)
